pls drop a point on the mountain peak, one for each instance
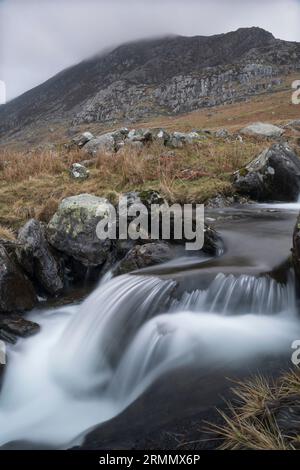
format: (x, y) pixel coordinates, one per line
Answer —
(167, 75)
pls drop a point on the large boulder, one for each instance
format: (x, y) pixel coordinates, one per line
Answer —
(37, 258)
(16, 291)
(72, 230)
(262, 129)
(274, 175)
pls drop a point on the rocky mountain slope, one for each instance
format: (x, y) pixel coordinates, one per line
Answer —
(170, 75)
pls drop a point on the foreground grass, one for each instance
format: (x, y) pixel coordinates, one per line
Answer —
(261, 415)
(32, 184)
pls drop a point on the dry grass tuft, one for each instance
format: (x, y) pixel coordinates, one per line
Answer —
(251, 419)
(6, 233)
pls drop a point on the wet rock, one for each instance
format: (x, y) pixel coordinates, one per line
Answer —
(79, 172)
(16, 291)
(261, 129)
(37, 258)
(296, 249)
(142, 256)
(273, 175)
(18, 326)
(72, 230)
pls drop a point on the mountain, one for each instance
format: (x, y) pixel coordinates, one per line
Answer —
(168, 75)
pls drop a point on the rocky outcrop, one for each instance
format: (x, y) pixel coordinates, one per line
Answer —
(137, 138)
(262, 129)
(37, 258)
(273, 176)
(72, 230)
(16, 291)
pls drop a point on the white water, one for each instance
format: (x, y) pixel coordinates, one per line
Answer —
(90, 361)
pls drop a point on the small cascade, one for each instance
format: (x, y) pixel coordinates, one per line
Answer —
(232, 295)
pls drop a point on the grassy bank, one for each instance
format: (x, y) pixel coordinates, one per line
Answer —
(32, 183)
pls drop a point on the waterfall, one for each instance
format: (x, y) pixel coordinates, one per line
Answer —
(241, 294)
(90, 361)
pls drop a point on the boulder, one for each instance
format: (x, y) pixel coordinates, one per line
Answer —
(79, 172)
(140, 135)
(16, 291)
(142, 256)
(262, 129)
(83, 139)
(179, 139)
(72, 230)
(37, 258)
(273, 176)
(102, 143)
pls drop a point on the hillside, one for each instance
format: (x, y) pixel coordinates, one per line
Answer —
(166, 76)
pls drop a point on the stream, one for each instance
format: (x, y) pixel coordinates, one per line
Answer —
(147, 348)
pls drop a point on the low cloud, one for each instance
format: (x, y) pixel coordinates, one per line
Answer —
(38, 38)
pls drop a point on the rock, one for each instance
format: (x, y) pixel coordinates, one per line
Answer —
(296, 249)
(222, 134)
(295, 125)
(273, 175)
(262, 129)
(72, 230)
(79, 172)
(83, 139)
(178, 139)
(102, 143)
(140, 135)
(161, 136)
(18, 326)
(16, 291)
(38, 260)
(142, 256)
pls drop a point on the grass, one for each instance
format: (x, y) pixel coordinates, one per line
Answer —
(33, 183)
(251, 419)
(6, 233)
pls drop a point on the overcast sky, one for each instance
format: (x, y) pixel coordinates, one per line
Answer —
(38, 38)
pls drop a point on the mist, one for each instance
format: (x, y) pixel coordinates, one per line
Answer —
(39, 38)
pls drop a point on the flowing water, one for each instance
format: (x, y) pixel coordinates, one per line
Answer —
(93, 360)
